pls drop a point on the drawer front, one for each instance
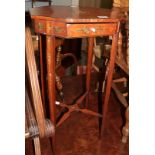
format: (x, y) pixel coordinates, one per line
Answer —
(84, 30)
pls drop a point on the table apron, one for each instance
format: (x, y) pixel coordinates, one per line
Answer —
(67, 30)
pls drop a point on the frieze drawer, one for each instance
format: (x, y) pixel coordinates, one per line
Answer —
(84, 30)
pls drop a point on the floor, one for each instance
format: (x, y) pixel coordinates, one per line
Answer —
(79, 134)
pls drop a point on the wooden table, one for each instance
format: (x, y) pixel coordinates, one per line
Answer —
(76, 22)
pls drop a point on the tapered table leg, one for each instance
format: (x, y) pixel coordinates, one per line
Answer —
(89, 65)
(50, 59)
(109, 80)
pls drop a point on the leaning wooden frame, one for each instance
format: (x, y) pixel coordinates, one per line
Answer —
(36, 125)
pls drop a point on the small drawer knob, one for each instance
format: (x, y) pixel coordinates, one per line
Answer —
(93, 29)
